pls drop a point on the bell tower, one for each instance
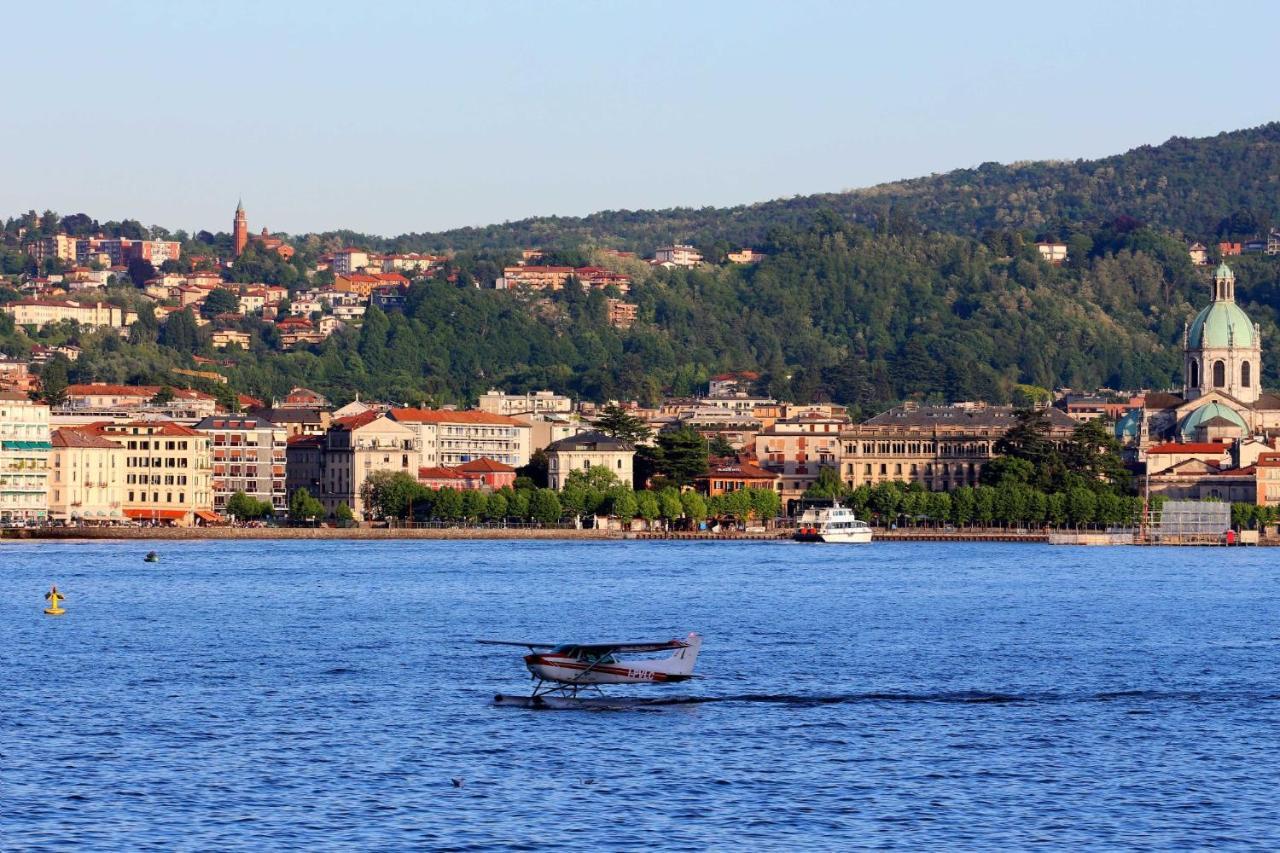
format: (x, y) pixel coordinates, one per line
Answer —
(240, 230)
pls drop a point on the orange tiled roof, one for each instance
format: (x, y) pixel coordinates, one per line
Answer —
(68, 437)
(1188, 447)
(440, 473)
(485, 465)
(357, 421)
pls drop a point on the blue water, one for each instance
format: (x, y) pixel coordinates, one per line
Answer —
(914, 695)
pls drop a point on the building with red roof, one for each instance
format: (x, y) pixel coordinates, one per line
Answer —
(452, 438)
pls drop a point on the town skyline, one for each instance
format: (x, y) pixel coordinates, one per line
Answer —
(708, 112)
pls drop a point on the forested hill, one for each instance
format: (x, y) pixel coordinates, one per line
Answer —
(1193, 187)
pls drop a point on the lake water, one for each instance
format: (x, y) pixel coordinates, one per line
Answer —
(914, 695)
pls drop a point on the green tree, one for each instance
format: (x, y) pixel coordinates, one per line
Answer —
(766, 504)
(303, 507)
(647, 506)
(497, 508)
(625, 506)
(241, 506)
(219, 301)
(939, 507)
(388, 494)
(617, 422)
(163, 396)
(694, 507)
(343, 514)
(682, 455)
(669, 504)
(53, 381)
(475, 504)
(544, 506)
(448, 504)
(720, 446)
(1081, 505)
(827, 485)
(964, 506)
(536, 469)
(518, 504)
(180, 331)
(885, 500)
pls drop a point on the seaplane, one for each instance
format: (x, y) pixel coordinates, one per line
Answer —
(562, 670)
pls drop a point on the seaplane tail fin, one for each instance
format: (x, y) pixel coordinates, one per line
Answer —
(682, 660)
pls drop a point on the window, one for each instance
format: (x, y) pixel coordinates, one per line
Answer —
(620, 462)
(1219, 374)
(1194, 373)
(1245, 377)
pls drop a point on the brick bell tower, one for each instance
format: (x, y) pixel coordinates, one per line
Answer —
(240, 230)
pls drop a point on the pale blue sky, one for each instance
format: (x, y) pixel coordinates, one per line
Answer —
(409, 116)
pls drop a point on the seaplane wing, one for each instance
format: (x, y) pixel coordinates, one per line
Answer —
(519, 643)
(596, 648)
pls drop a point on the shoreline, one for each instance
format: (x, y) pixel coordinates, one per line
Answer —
(474, 533)
(553, 534)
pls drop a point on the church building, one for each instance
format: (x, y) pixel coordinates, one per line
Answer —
(240, 237)
(1204, 442)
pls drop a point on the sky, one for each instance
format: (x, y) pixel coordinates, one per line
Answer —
(393, 117)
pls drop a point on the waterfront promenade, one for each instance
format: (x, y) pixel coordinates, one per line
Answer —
(466, 533)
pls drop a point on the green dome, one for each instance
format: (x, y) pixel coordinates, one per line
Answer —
(1224, 271)
(1208, 412)
(1222, 324)
(1129, 425)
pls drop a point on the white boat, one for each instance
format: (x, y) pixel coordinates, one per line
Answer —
(832, 524)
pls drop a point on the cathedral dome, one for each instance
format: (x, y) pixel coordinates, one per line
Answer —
(1221, 324)
(1206, 413)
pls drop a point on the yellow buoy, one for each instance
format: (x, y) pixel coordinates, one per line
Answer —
(54, 598)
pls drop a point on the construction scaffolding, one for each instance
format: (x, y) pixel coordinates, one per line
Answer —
(1187, 523)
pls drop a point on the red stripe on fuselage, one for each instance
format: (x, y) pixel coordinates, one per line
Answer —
(569, 663)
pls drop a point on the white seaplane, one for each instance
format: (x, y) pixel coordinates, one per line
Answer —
(561, 670)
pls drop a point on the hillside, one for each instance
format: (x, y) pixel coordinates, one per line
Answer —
(1187, 186)
(846, 307)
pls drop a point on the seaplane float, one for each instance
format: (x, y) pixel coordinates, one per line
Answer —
(563, 670)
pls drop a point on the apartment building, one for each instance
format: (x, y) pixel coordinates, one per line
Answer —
(621, 314)
(334, 467)
(168, 471)
(248, 455)
(497, 402)
(678, 255)
(449, 438)
(86, 478)
(347, 261)
(43, 312)
(24, 459)
(798, 448)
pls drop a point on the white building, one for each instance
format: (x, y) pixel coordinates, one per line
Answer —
(24, 459)
(586, 451)
(86, 478)
(678, 255)
(347, 261)
(452, 438)
(42, 312)
(534, 403)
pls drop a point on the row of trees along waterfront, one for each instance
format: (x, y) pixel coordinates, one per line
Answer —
(593, 492)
